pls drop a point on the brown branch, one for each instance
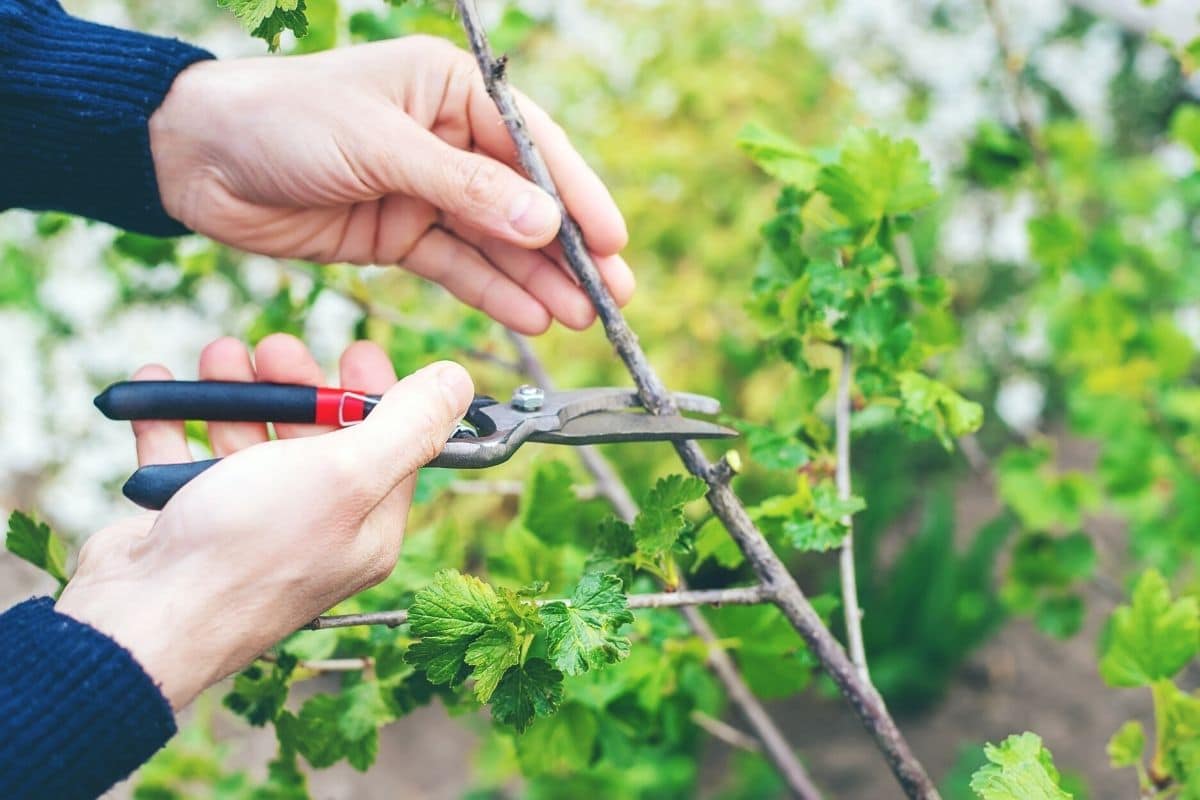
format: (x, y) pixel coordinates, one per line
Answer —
(863, 697)
(736, 596)
(612, 488)
(728, 734)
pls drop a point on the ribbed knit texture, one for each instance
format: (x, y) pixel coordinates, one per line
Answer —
(77, 713)
(75, 98)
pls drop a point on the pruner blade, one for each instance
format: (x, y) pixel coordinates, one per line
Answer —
(632, 426)
(576, 417)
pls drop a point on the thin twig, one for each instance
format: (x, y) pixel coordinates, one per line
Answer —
(1014, 66)
(736, 596)
(853, 613)
(719, 729)
(863, 698)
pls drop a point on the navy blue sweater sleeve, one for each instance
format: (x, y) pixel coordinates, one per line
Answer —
(75, 98)
(77, 713)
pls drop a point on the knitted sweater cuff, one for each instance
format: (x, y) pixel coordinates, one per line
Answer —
(77, 712)
(75, 99)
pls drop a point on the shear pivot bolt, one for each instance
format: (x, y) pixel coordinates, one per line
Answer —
(528, 398)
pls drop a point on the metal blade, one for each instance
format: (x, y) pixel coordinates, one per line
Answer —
(617, 426)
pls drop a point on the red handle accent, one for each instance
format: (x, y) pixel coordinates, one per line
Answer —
(339, 407)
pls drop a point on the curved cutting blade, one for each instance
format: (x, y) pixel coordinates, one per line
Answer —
(618, 426)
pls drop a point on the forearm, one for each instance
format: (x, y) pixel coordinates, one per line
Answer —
(75, 98)
(77, 713)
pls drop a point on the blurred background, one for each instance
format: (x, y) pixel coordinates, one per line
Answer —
(1066, 227)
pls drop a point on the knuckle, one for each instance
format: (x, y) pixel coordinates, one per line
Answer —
(477, 180)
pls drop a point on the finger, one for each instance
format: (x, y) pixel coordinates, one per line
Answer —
(281, 358)
(409, 426)
(467, 275)
(159, 441)
(584, 194)
(542, 278)
(227, 359)
(614, 271)
(462, 183)
(365, 366)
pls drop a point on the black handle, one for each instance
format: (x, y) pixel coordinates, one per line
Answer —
(152, 486)
(226, 401)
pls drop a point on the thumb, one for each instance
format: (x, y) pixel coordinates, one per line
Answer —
(410, 425)
(479, 191)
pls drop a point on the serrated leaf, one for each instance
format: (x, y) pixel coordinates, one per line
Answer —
(661, 520)
(268, 19)
(772, 449)
(332, 727)
(582, 634)
(779, 156)
(935, 407)
(491, 654)
(1152, 638)
(1126, 746)
(531, 690)
(34, 542)
(453, 605)
(260, 691)
(1020, 769)
(876, 177)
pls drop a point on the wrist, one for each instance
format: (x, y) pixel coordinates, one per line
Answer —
(168, 652)
(185, 132)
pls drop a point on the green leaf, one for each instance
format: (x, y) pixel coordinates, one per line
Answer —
(448, 614)
(779, 156)
(935, 407)
(453, 605)
(1185, 126)
(560, 745)
(1020, 769)
(772, 449)
(267, 19)
(1152, 638)
(582, 633)
(491, 655)
(550, 509)
(876, 177)
(332, 727)
(996, 155)
(661, 520)
(1126, 746)
(259, 693)
(34, 542)
(533, 689)
(713, 541)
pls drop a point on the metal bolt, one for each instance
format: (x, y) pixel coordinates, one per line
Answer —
(528, 398)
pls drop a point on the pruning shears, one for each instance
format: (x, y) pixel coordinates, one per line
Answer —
(488, 435)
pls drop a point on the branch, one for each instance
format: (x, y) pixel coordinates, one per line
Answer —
(863, 697)
(725, 732)
(1014, 64)
(853, 613)
(720, 662)
(737, 596)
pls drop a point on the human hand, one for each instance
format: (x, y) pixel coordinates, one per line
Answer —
(274, 535)
(386, 153)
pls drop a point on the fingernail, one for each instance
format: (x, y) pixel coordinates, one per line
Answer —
(533, 213)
